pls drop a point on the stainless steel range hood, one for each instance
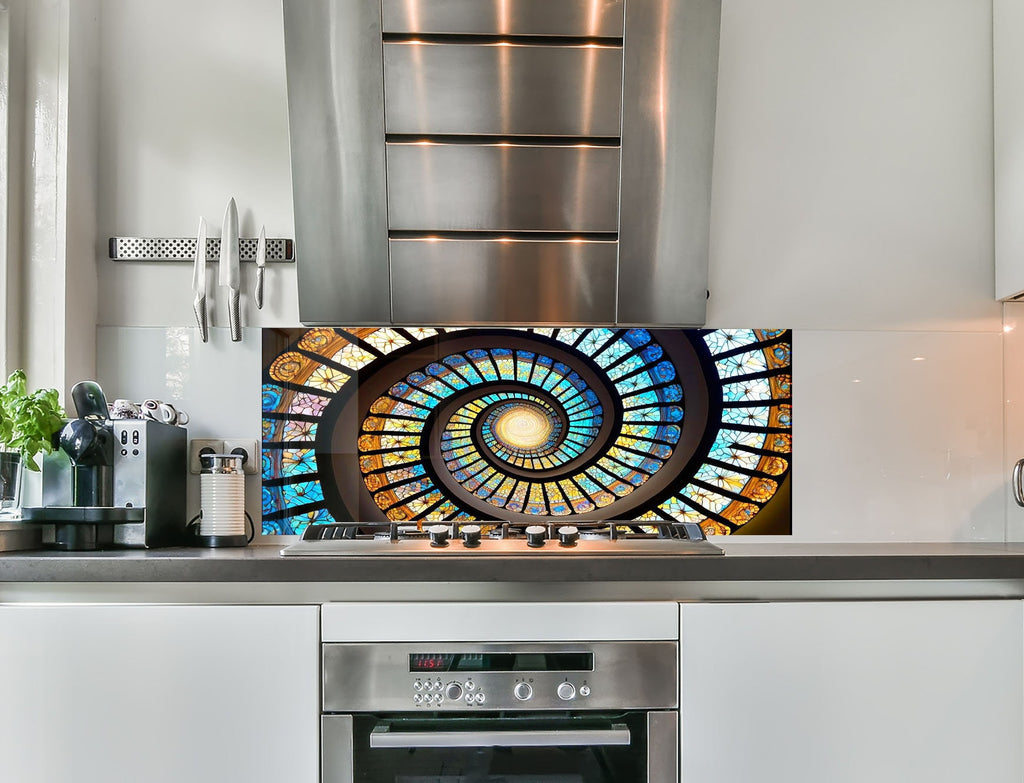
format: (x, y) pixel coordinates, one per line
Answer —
(502, 161)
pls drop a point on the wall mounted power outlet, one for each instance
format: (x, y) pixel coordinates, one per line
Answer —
(250, 451)
(198, 446)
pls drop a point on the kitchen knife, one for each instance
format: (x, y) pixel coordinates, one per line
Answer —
(199, 282)
(261, 262)
(229, 275)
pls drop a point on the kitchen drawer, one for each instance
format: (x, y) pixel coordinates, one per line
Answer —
(502, 187)
(502, 89)
(453, 281)
(598, 18)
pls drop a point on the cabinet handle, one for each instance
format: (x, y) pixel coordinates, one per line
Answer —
(1018, 488)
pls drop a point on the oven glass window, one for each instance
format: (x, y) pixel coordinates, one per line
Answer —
(480, 758)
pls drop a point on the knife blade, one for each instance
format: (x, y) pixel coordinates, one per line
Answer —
(261, 262)
(199, 282)
(229, 274)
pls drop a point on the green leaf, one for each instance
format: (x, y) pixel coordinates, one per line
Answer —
(28, 422)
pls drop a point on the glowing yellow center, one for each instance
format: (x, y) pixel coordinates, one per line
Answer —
(523, 427)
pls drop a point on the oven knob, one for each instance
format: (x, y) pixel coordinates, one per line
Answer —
(566, 691)
(479, 698)
(584, 690)
(417, 699)
(522, 691)
(568, 535)
(417, 685)
(535, 535)
(453, 692)
(438, 535)
(470, 685)
(471, 535)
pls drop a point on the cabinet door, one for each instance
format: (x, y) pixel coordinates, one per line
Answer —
(852, 692)
(159, 694)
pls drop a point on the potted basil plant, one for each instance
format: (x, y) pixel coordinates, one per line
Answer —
(28, 423)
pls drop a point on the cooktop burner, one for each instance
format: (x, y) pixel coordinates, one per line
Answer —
(611, 537)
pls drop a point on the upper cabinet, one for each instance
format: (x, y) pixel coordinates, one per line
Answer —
(502, 161)
(1008, 128)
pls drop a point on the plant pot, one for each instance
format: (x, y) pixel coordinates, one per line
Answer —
(11, 469)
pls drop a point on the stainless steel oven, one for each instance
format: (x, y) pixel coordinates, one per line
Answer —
(537, 712)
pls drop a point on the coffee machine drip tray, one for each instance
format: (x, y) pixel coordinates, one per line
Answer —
(87, 515)
(79, 528)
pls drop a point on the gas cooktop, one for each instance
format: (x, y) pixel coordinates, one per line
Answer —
(495, 538)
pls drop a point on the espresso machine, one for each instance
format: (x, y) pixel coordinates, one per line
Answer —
(112, 483)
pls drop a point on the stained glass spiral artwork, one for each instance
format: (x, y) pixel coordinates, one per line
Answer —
(431, 424)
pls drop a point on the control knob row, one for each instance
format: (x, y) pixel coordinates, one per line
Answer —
(439, 535)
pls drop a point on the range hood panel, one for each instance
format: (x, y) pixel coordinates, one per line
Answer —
(458, 89)
(592, 18)
(488, 187)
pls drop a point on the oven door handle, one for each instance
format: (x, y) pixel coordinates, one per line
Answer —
(383, 737)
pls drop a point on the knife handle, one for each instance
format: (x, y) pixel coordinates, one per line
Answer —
(234, 317)
(258, 293)
(199, 306)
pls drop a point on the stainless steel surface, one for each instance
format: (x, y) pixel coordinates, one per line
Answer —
(512, 282)
(230, 464)
(383, 737)
(336, 131)
(229, 272)
(376, 677)
(279, 251)
(336, 749)
(450, 88)
(498, 548)
(502, 187)
(261, 263)
(199, 282)
(18, 536)
(668, 133)
(662, 747)
(591, 18)
(1018, 488)
(468, 92)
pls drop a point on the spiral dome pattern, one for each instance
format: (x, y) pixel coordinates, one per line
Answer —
(468, 424)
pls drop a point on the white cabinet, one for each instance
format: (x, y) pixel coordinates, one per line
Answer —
(1008, 131)
(159, 694)
(852, 692)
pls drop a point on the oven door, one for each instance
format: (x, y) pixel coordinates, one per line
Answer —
(630, 747)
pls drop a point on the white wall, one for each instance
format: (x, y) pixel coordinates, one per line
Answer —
(852, 201)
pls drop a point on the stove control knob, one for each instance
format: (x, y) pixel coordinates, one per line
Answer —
(438, 535)
(566, 691)
(535, 535)
(522, 691)
(453, 691)
(568, 535)
(584, 690)
(471, 535)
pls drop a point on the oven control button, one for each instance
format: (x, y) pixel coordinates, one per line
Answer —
(417, 686)
(437, 698)
(469, 698)
(535, 535)
(522, 691)
(438, 535)
(584, 690)
(479, 698)
(566, 691)
(470, 685)
(568, 535)
(471, 536)
(453, 691)
(417, 699)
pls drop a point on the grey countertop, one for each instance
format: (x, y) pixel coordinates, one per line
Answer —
(743, 562)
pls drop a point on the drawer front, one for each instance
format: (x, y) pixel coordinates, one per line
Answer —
(596, 18)
(496, 187)
(515, 282)
(493, 89)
